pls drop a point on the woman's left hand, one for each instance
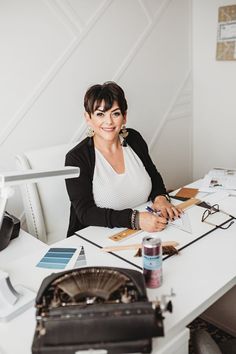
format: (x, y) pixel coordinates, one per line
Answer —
(168, 210)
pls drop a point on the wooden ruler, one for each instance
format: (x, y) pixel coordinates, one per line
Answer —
(135, 246)
(188, 203)
(123, 234)
(129, 232)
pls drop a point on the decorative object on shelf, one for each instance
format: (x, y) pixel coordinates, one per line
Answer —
(226, 33)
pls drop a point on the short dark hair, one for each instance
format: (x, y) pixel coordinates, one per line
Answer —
(109, 92)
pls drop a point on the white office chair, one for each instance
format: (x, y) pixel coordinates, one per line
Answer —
(46, 204)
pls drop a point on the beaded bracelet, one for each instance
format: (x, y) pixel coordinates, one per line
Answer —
(135, 220)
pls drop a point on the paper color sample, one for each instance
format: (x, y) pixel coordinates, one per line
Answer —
(56, 258)
(81, 259)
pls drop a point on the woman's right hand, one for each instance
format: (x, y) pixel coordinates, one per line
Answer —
(151, 223)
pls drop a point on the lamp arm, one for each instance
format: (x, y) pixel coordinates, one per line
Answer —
(29, 176)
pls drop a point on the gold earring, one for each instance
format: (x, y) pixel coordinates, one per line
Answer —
(90, 132)
(124, 133)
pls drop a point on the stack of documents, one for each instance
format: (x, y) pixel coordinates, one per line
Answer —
(219, 179)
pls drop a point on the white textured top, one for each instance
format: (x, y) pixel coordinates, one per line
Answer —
(120, 191)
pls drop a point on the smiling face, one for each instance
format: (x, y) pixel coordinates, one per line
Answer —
(106, 124)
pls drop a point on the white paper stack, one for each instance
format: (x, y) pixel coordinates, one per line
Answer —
(219, 179)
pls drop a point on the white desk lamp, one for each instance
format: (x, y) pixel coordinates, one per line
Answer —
(14, 301)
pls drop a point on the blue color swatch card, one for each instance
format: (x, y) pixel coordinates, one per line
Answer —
(56, 258)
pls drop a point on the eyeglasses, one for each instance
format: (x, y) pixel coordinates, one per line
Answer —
(212, 210)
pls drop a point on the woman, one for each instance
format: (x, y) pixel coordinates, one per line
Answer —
(116, 171)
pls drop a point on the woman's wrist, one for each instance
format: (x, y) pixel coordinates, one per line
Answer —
(135, 220)
(165, 195)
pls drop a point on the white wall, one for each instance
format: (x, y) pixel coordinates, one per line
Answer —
(214, 143)
(52, 50)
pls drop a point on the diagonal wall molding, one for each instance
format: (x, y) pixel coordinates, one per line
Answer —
(73, 24)
(141, 40)
(46, 80)
(65, 12)
(144, 8)
(70, 21)
(168, 111)
(80, 133)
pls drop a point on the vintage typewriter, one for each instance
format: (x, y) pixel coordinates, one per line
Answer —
(96, 308)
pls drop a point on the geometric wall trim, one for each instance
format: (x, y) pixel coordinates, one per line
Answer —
(179, 107)
(127, 61)
(54, 49)
(55, 68)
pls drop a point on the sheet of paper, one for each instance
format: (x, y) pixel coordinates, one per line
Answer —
(215, 198)
(219, 179)
(182, 223)
(81, 259)
(229, 205)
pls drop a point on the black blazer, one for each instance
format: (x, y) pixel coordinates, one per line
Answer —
(84, 212)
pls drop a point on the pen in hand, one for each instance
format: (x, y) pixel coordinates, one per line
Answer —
(150, 210)
(155, 212)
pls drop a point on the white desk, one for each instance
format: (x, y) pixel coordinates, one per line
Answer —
(18, 248)
(20, 262)
(201, 274)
